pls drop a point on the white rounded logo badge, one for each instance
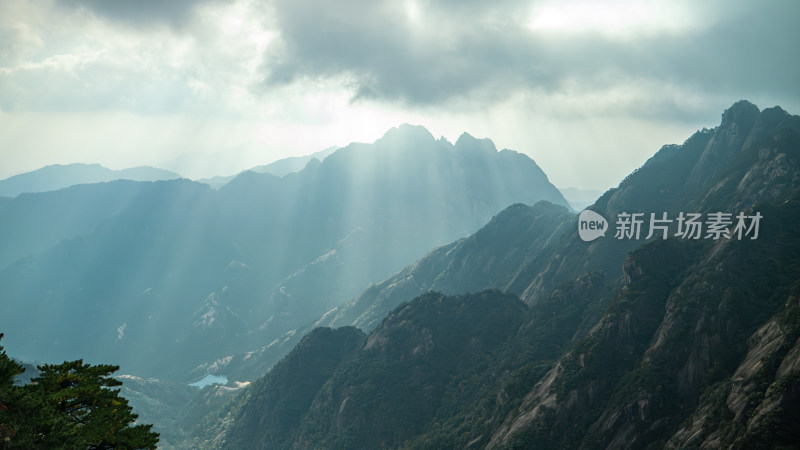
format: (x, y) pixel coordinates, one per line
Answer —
(591, 225)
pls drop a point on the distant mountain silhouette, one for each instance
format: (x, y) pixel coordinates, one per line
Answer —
(57, 176)
(580, 198)
(278, 168)
(34, 223)
(292, 164)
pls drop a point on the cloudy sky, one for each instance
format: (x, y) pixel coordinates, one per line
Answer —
(588, 89)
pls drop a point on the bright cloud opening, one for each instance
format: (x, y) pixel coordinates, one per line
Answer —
(617, 18)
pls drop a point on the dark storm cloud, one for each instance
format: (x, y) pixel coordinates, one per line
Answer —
(141, 12)
(752, 48)
(485, 48)
(389, 55)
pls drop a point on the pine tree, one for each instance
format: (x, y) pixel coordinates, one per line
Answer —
(70, 405)
(8, 370)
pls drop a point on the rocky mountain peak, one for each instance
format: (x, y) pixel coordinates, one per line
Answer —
(743, 125)
(408, 132)
(743, 114)
(466, 142)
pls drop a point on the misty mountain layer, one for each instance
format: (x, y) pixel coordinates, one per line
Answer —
(59, 176)
(161, 276)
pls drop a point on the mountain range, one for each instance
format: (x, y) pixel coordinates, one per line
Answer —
(170, 274)
(615, 343)
(278, 168)
(414, 293)
(58, 176)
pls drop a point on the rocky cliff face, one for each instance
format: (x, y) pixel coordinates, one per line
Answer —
(757, 405)
(572, 393)
(337, 390)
